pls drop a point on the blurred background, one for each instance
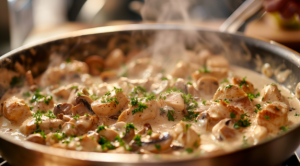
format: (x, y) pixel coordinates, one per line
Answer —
(29, 21)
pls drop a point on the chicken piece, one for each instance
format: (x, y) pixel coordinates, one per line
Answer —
(145, 83)
(43, 104)
(52, 138)
(108, 133)
(81, 109)
(69, 129)
(110, 104)
(66, 69)
(224, 130)
(29, 125)
(62, 108)
(271, 93)
(193, 91)
(114, 59)
(65, 91)
(77, 94)
(15, 110)
(235, 96)
(94, 135)
(36, 138)
(186, 135)
(160, 87)
(174, 100)
(96, 64)
(144, 113)
(207, 86)
(245, 85)
(138, 66)
(86, 123)
(219, 73)
(101, 89)
(273, 116)
(217, 62)
(219, 111)
(258, 133)
(180, 85)
(84, 143)
(181, 70)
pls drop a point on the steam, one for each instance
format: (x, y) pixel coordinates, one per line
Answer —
(170, 46)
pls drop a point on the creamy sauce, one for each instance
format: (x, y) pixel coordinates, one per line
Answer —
(160, 124)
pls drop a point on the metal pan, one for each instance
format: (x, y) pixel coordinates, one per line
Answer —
(238, 49)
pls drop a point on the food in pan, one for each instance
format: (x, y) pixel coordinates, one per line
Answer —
(121, 105)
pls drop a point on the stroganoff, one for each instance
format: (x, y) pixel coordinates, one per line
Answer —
(114, 105)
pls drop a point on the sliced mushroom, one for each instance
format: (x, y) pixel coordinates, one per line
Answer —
(217, 62)
(145, 129)
(267, 70)
(64, 108)
(297, 91)
(219, 73)
(174, 100)
(96, 64)
(86, 123)
(108, 75)
(207, 86)
(156, 142)
(108, 133)
(83, 105)
(224, 130)
(128, 136)
(186, 135)
(36, 138)
(94, 135)
(160, 87)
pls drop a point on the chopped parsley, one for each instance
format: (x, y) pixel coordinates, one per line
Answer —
(164, 78)
(189, 83)
(232, 115)
(87, 115)
(50, 115)
(170, 115)
(68, 60)
(36, 96)
(117, 90)
(100, 128)
(41, 132)
(243, 122)
(283, 128)
(190, 116)
(105, 144)
(297, 114)
(47, 100)
(256, 110)
(26, 94)
(30, 108)
(204, 70)
(290, 98)
(228, 86)
(243, 82)
(189, 150)
(141, 107)
(149, 132)
(107, 93)
(94, 97)
(128, 148)
(76, 117)
(258, 106)
(134, 101)
(267, 117)
(217, 101)
(157, 146)
(129, 126)
(226, 101)
(224, 81)
(204, 102)
(110, 99)
(15, 81)
(60, 136)
(277, 108)
(137, 139)
(150, 97)
(251, 96)
(245, 142)
(38, 119)
(74, 87)
(187, 126)
(138, 89)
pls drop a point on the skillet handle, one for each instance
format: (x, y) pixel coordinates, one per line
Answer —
(248, 11)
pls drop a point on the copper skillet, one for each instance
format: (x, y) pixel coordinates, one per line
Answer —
(238, 49)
